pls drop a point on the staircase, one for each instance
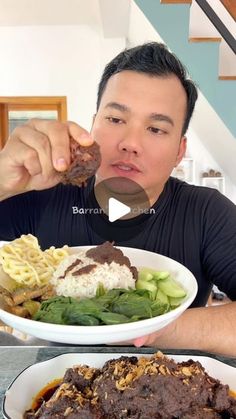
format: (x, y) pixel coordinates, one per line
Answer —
(171, 21)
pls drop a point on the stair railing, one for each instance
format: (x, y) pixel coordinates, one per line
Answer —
(217, 22)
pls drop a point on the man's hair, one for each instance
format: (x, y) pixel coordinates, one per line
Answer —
(154, 59)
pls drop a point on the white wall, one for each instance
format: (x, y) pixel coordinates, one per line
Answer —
(204, 162)
(56, 61)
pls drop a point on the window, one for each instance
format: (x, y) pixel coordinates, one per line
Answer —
(15, 111)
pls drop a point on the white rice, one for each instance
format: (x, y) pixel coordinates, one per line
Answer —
(110, 275)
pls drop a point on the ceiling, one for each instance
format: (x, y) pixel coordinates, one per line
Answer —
(111, 16)
(48, 12)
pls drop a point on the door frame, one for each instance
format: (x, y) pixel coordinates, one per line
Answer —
(29, 103)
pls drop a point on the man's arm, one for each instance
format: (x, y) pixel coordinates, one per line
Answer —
(211, 329)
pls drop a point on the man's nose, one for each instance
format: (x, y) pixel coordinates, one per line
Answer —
(131, 143)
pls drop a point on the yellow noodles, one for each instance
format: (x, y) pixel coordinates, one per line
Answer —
(27, 264)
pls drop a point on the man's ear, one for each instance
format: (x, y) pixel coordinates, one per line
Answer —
(182, 150)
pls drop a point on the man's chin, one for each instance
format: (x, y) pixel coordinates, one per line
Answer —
(122, 185)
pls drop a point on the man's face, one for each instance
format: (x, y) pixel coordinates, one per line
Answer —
(138, 126)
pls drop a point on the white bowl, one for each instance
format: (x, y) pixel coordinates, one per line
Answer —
(29, 382)
(89, 335)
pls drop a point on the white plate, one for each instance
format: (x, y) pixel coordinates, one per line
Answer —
(87, 335)
(28, 383)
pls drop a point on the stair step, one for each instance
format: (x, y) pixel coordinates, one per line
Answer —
(204, 39)
(230, 6)
(227, 77)
(176, 1)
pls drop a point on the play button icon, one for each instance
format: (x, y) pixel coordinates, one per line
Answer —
(117, 209)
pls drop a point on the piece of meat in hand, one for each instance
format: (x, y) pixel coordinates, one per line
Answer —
(84, 163)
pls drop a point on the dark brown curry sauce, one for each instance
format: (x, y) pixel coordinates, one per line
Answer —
(45, 393)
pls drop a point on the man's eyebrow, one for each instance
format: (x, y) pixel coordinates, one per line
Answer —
(117, 106)
(154, 116)
(161, 117)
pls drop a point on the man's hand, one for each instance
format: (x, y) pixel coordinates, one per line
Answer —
(148, 340)
(35, 153)
(153, 338)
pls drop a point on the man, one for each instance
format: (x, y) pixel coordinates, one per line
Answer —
(145, 102)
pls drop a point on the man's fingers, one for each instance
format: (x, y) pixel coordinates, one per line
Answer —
(58, 139)
(24, 156)
(152, 339)
(31, 161)
(38, 150)
(140, 341)
(79, 134)
(59, 135)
